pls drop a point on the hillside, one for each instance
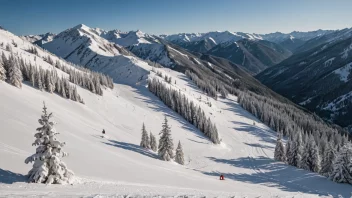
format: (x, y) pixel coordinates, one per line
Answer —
(116, 165)
(319, 79)
(254, 56)
(249, 52)
(292, 43)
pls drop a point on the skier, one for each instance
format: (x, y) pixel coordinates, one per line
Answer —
(103, 132)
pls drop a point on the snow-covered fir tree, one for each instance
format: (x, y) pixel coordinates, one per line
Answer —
(328, 159)
(279, 154)
(15, 74)
(311, 157)
(289, 152)
(166, 146)
(179, 158)
(2, 70)
(48, 167)
(153, 142)
(342, 166)
(298, 150)
(39, 80)
(145, 143)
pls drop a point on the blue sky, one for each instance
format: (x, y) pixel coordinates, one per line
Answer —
(166, 16)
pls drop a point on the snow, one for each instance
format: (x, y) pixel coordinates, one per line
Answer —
(117, 166)
(177, 51)
(306, 101)
(213, 40)
(217, 37)
(344, 72)
(302, 63)
(338, 103)
(245, 157)
(345, 52)
(328, 62)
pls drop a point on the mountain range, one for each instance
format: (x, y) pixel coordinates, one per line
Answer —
(318, 78)
(293, 64)
(153, 81)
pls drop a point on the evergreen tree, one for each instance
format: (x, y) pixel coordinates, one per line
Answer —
(153, 142)
(2, 69)
(279, 154)
(342, 166)
(328, 159)
(48, 167)
(145, 143)
(166, 145)
(290, 152)
(298, 150)
(311, 157)
(179, 158)
(48, 82)
(39, 80)
(15, 74)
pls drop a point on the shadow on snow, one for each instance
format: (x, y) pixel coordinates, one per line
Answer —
(271, 173)
(159, 106)
(132, 147)
(8, 177)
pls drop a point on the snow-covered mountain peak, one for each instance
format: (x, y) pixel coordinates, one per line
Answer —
(81, 26)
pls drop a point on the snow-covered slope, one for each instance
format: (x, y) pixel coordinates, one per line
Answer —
(217, 37)
(39, 39)
(125, 38)
(116, 166)
(83, 46)
(319, 79)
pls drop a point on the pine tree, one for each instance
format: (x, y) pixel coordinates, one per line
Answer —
(214, 134)
(342, 166)
(15, 74)
(153, 142)
(145, 143)
(39, 80)
(179, 158)
(298, 150)
(166, 145)
(311, 157)
(48, 167)
(2, 70)
(328, 159)
(48, 82)
(289, 152)
(279, 154)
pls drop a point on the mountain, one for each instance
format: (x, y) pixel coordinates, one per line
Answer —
(39, 39)
(319, 79)
(144, 92)
(115, 163)
(253, 55)
(247, 50)
(279, 37)
(292, 43)
(83, 46)
(327, 39)
(217, 37)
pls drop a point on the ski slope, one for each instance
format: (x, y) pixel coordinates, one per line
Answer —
(116, 165)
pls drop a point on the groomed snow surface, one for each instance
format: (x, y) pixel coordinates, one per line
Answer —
(115, 165)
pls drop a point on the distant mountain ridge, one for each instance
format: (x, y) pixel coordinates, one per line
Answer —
(318, 78)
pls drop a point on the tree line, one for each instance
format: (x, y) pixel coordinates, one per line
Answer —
(14, 69)
(302, 150)
(312, 144)
(187, 109)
